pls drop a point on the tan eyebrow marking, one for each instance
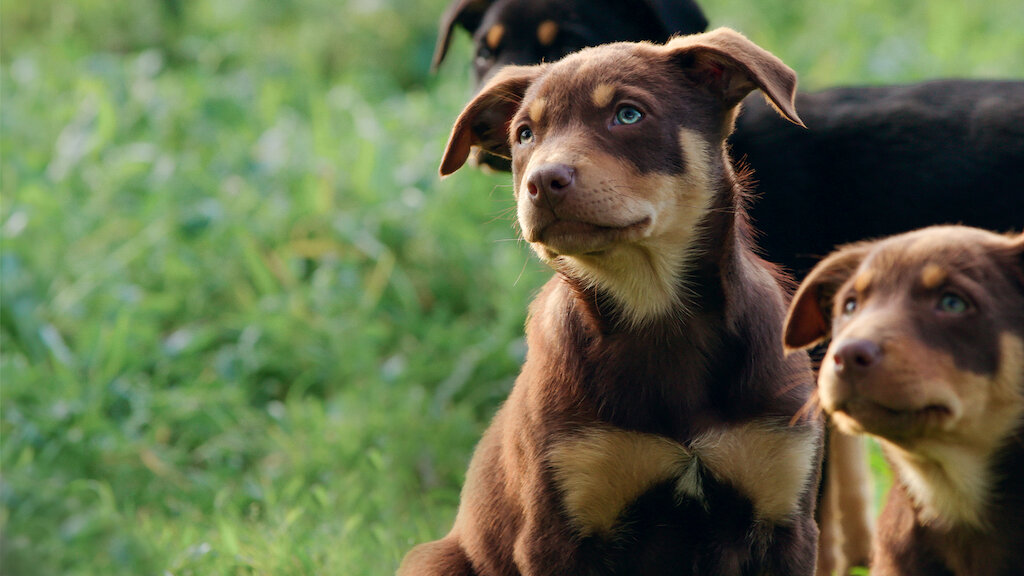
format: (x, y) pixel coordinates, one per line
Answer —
(537, 108)
(863, 281)
(933, 275)
(494, 36)
(546, 32)
(602, 95)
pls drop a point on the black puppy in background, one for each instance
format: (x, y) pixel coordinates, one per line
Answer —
(873, 161)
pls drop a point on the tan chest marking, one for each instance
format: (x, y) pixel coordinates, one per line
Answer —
(769, 463)
(601, 470)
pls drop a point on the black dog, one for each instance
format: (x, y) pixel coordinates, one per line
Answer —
(873, 160)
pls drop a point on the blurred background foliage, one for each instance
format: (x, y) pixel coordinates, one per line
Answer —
(244, 329)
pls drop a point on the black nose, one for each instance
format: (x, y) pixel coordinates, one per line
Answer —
(853, 356)
(550, 183)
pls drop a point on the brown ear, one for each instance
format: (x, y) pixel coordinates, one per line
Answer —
(732, 66)
(809, 320)
(484, 121)
(466, 13)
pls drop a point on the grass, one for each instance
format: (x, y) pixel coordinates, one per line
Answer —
(244, 329)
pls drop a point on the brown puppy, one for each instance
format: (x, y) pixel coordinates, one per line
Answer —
(927, 355)
(654, 428)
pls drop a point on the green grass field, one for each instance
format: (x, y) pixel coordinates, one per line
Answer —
(245, 328)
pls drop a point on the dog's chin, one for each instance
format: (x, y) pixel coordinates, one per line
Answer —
(862, 415)
(575, 238)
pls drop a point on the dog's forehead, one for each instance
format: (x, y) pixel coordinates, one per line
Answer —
(611, 65)
(927, 258)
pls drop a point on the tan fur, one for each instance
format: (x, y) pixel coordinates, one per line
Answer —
(768, 462)
(547, 31)
(644, 273)
(849, 473)
(494, 36)
(947, 474)
(601, 470)
(602, 95)
(863, 281)
(933, 275)
(537, 108)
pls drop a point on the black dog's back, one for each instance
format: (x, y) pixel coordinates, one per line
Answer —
(880, 160)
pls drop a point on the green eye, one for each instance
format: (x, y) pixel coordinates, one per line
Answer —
(628, 115)
(952, 304)
(525, 135)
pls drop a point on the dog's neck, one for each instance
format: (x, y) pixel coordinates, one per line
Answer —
(957, 488)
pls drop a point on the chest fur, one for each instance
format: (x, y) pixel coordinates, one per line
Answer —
(600, 470)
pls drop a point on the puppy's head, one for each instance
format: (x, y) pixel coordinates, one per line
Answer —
(521, 32)
(617, 154)
(927, 336)
(532, 31)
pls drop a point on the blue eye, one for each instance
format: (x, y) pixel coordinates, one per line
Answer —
(628, 115)
(525, 135)
(952, 304)
(849, 306)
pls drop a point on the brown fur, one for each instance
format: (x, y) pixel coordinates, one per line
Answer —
(927, 355)
(654, 428)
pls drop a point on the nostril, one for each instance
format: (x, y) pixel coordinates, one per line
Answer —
(856, 355)
(550, 183)
(561, 180)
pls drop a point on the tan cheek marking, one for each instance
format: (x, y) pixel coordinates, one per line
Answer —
(769, 463)
(697, 153)
(602, 95)
(494, 36)
(933, 276)
(863, 280)
(537, 108)
(949, 476)
(546, 32)
(603, 470)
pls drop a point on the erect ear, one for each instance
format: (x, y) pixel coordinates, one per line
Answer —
(809, 319)
(484, 122)
(678, 16)
(466, 13)
(731, 67)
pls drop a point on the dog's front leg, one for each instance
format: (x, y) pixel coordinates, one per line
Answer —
(547, 545)
(793, 548)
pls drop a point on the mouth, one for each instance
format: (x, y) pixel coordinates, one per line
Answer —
(573, 237)
(894, 423)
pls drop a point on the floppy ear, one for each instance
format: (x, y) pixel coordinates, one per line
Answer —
(466, 13)
(484, 122)
(809, 320)
(731, 67)
(678, 16)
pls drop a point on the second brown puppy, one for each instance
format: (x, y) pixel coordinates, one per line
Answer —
(654, 428)
(927, 355)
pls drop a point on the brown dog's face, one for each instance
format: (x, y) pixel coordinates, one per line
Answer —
(522, 32)
(617, 154)
(927, 333)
